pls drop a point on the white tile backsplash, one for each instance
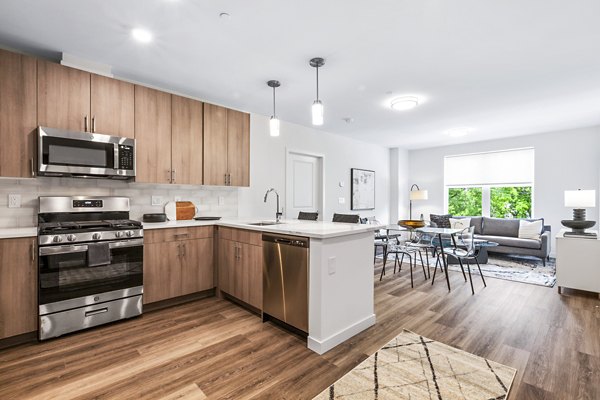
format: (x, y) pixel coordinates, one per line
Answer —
(140, 194)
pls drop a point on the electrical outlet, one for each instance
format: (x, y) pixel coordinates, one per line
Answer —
(331, 262)
(341, 200)
(14, 201)
(157, 200)
(221, 200)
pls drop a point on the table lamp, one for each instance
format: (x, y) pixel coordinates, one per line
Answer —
(417, 194)
(579, 200)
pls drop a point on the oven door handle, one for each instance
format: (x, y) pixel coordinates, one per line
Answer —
(126, 243)
(49, 251)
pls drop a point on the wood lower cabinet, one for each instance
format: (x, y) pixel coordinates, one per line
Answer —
(63, 97)
(18, 114)
(153, 135)
(177, 262)
(18, 286)
(112, 106)
(240, 265)
(226, 146)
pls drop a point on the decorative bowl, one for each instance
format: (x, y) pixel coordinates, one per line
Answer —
(411, 223)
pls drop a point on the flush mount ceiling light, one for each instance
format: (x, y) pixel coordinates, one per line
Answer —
(458, 132)
(274, 122)
(141, 35)
(317, 107)
(404, 103)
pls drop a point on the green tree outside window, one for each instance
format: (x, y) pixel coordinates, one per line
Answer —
(510, 202)
(464, 201)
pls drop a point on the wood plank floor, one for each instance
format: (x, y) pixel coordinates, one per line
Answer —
(214, 349)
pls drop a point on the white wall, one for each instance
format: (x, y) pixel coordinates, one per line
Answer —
(564, 160)
(268, 163)
(400, 185)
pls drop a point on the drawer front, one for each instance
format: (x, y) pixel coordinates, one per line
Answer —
(241, 236)
(175, 234)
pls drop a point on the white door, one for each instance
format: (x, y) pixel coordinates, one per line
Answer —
(304, 184)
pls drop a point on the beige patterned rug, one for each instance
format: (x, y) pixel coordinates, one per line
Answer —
(414, 367)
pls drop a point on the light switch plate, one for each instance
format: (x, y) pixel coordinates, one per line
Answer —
(157, 200)
(14, 201)
(341, 200)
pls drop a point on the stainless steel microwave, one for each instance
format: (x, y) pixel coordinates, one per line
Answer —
(84, 154)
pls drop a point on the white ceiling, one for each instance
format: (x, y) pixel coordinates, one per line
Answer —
(504, 68)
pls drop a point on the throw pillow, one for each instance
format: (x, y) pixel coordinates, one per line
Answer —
(460, 223)
(441, 221)
(530, 229)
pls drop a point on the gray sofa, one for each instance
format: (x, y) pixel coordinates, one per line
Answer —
(505, 232)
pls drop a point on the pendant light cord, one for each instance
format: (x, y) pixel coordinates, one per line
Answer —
(317, 68)
(274, 114)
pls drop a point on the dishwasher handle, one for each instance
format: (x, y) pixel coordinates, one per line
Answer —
(286, 240)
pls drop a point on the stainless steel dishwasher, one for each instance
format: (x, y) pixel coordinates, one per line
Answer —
(285, 280)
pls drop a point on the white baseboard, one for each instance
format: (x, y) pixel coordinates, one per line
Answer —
(322, 346)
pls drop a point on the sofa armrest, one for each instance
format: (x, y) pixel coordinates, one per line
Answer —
(546, 240)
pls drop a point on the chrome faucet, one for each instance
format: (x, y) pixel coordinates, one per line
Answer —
(278, 213)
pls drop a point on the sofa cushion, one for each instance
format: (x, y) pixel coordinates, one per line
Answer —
(460, 223)
(500, 227)
(476, 222)
(441, 221)
(512, 241)
(530, 229)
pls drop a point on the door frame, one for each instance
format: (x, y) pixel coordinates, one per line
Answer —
(321, 157)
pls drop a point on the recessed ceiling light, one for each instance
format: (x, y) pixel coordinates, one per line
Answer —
(458, 132)
(141, 35)
(404, 103)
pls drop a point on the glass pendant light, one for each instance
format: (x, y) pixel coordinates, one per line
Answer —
(274, 122)
(317, 107)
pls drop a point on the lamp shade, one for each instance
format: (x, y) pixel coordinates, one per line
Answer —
(580, 198)
(419, 195)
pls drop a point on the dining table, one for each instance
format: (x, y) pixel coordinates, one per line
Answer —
(439, 232)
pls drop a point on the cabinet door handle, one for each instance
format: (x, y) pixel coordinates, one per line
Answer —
(33, 250)
(178, 249)
(94, 123)
(169, 175)
(173, 175)
(181, 235)
(183, 253)
(32, 168)
(85, 124)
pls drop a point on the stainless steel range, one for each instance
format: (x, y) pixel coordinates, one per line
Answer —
(90, 263)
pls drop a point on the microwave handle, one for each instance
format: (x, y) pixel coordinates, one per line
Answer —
(116, 157)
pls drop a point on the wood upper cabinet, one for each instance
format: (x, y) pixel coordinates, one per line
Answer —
(112, 106)
(240, 265)
(215, 145)
(238, 148)
(177, 262)
(63, 97)
(18, 286)
(18, 114)
(153, 135)
(226, 146)
(186, 141)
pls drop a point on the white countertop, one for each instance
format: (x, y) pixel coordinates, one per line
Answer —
(311, 229)
(8, 233)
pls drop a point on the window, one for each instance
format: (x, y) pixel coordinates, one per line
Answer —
(497, 184)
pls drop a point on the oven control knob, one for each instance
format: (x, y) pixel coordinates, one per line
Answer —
(71, 238)
(97, 236)
(118, 234)
(129, 233)
(57, 239)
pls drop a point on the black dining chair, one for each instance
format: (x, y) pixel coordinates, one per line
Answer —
(347, 218)
(464, 250)
(308, 216)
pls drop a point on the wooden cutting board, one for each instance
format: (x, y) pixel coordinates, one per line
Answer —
(185, 210)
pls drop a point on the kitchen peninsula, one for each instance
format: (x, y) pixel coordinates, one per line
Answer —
(340, 275)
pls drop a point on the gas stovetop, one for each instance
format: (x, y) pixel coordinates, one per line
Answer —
(48, 228)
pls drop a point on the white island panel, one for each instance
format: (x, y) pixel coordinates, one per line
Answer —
(341, 290)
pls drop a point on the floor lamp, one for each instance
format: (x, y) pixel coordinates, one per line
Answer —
(416, 194)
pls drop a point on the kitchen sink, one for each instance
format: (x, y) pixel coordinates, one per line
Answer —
(264, 223)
